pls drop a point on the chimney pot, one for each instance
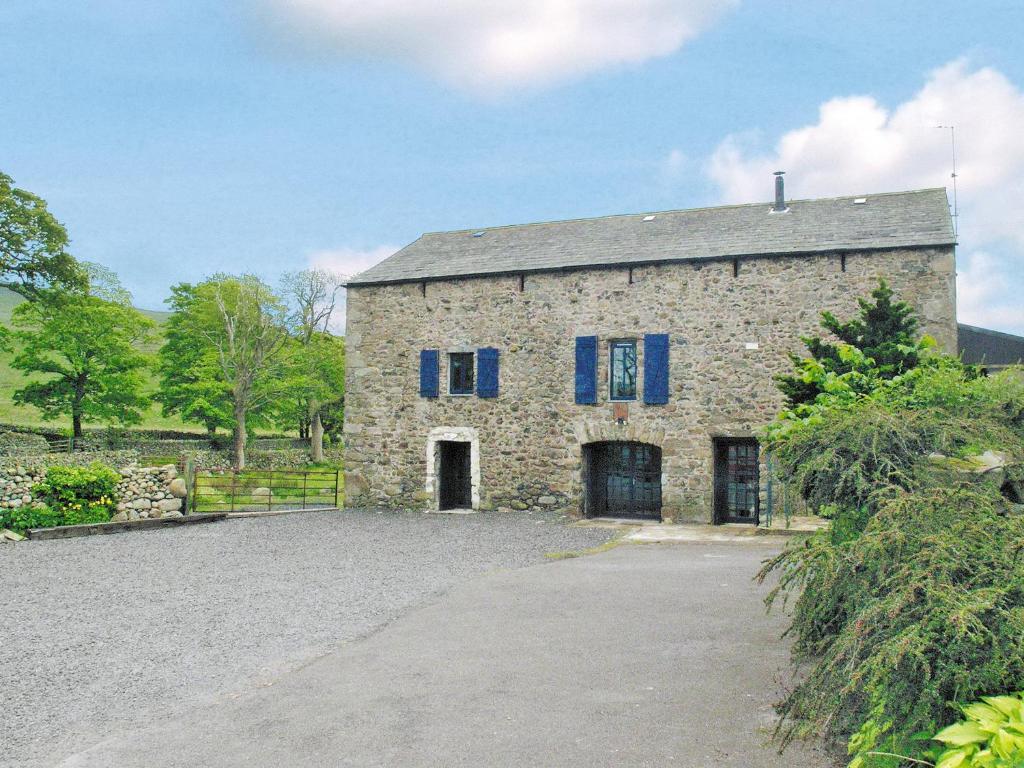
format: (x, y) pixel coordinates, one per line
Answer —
(780, 193)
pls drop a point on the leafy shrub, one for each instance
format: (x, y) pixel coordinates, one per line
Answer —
(73, 496)
(80, 492)
(913, 600)
(851, 452)
(876, 345)
(992, 736)
(925, 607)
(98, 511)
(23, 518)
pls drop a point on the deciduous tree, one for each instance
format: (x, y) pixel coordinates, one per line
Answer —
(33, 245)
(317, 377)
(239, 328)
(316, 381)
(191, 384)
(86, 349)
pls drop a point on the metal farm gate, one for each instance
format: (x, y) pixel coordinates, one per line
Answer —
(256, 490)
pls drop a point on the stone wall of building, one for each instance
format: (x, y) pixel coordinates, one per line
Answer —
(530, 438)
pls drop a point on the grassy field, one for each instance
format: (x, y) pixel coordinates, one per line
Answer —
(10, 380)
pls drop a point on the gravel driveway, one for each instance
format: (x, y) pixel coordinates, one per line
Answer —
(142, 627)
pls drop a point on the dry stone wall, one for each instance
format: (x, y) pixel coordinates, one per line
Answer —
(143, 492)
(16, 485)
(22, 443)
(148, 492)
(729, 334)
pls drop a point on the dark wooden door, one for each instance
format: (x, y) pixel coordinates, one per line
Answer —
(737, 487)
(456, 481)
(625, 480)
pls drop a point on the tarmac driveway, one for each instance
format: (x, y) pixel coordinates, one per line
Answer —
(103, 632)
(644, 655)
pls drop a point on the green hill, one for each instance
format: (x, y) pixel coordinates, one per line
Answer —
(9, 300)
(10, 380)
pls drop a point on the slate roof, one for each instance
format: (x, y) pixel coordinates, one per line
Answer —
(891, 220)
(990, 348)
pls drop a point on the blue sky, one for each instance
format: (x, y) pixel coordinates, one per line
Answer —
(181, 138)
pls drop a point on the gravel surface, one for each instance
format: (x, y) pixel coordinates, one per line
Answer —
(136, 627)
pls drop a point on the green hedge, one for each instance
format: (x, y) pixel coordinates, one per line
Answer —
(923, 609)
(912, 603)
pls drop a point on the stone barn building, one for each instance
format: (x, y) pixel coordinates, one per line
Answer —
(618, 366)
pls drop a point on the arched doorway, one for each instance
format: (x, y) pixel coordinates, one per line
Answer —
(622, 479)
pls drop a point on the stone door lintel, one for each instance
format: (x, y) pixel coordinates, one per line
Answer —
(454, 435)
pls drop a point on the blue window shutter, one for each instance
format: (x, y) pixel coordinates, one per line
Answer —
(656, 368)
(487, 372)
(428, 373)
(586, 370)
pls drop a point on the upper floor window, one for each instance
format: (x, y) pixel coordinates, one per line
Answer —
(623, 370)
(460, 373)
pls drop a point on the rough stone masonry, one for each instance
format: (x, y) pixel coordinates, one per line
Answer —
(143, 492)
(730, 324)
(148, 492)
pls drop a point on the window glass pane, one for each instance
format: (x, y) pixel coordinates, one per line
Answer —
(460, 373)
(623, 370)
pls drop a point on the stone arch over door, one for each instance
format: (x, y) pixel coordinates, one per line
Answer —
(609, 431)
(440, 435)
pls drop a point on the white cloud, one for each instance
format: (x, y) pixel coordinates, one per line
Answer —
(487, 45)
(350, 261)
(984, 297)
(859, 146)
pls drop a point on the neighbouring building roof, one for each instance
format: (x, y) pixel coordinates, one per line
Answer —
(891, 220)
(991, 349)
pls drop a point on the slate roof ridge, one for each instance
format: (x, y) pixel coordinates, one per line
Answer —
(902, 219)
(698, 209)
